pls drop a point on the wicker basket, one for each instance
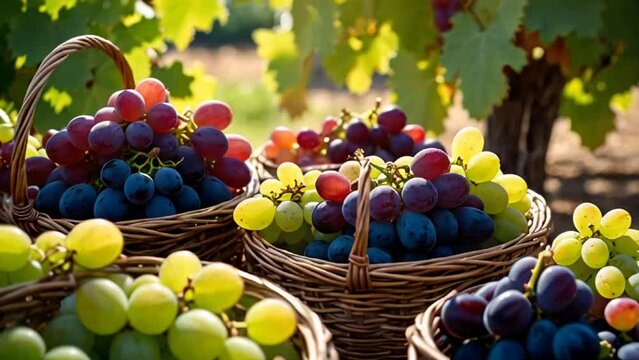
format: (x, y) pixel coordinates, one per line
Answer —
(368, 307)
(35, 303)
(210, 232)
(267, 169)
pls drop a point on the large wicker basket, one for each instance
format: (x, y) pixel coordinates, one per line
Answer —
(368, 307)
(33, 304)
(209, 232)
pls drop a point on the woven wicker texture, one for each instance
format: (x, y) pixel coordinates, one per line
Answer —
(210, 232)
(34, 304)
(368, 307)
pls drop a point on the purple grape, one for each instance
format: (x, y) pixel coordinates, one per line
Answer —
(474, 201)
(429, 144)
(59, 149)
(419, 195)
(384, 155)
(401, 145)
(580, 305)
(78, 173)
(192, 167)
(338, 151)
(55, 175)
(521, 271)
(487, 291)
(357, 133)
(106, 137)
(38, 170)
(452, 190)
(78, 129)
(349, 207)
(139, 135)
(327, 217)
(168, 145)
(474, 226)
(5, 179)
(209, 142)
(233, 172)
(385, 203)
(308, 139)
(462, 316)
(162, 118)
(505, 284)
(393, 120)
(508, 314)
(556, 289)
(379, 136)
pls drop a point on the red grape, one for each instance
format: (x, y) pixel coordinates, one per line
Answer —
(168, 145)
(232, 172)
(270, 149)
(385, 203)
(129, 105)
(357, 133)
(283, 137)
(38, 169)
(284, 156)
(308, 139)
(32, 192)
(47, 135)
(153, 92)
(392, 119)
(239, 147)
(209, 142)
(78, 173)
(5, 179)
(60, 149)
(162, 118)
(430, 164)
(622, 313)
(416, 132)
(107, 113)
(7, 151)
(213, 113)
(78, 129)
(330, 124)
(113, 98)
(333, 186)
(106, 137)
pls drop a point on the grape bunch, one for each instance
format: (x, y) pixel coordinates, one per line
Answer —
(383, 133)
(443, 11)
(603, 251)
(136, 158)
(421, 207)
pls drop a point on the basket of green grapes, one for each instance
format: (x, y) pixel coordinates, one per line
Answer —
(74, 298)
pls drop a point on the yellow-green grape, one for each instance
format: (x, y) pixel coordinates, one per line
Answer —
(241, 348)
(285, 350)
(632, 286)
(289, 216)
(270, 322)
(32, 271)
(217, 287)
(499, 173)
(310, 196)
(290, 174)
(581, 270)
(254, 213)
(456, 169)
(610, 282)
(30, 151)
(124, 281)
(21, 343)
(67, 329)
(4, 279)
(101, 306)
(514, 185)
(48, 241)
(6, 133)
(308, 212)
(297, 236)
(466, 143)
(271, 187)
(4, 118)
(564, 235)
(152, 309)
(310, 178)
(43, 153)
(595, 253)
(482, 167)
(509, 225)
(634, 234)
(33, 141)
(66, 352)
(15, 247)
(142, 280)
(615, 223)
(350, 169)
(567, 251)
(177, 268)
(197, 335)
(494, 197)
(523, 205)
(271, 233)
(375, 160)
(96, 242)
(586, 218)
(135, 345)
(627, 264)
(627, 246)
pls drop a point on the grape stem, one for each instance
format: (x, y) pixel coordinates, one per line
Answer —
(395, 176)
(152, 163)
(296, 192)
(544, 258)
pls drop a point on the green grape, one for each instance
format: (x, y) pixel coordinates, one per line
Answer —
(310, 196)
(48, 241)
(514, 185)
(581, 270)
(15, 247)
(66, 353)
(134, 345)
(30, 151)
(290, 174)
(627, 264)
(4, 279)
(610, 244)
(351, 169)
(456, 169)
(6, 133)
(124, 281)
(595, 253)
(627, 246)
(33, 141)
(43, 153)
(152, 309)
(310, 178)
(375, 160)
(241, 348)
(142, 280)
(177, 268)
(466, 143)
(271, 187)
(21, 343)
(325, 237)
(493, 196)
(254, 213)
(515, 217)
(270, 322)
(102, 345)
(289, 216)
(586, 218)
(482, 167)
(101, 306)
(564, 235)
(615, 223)
(285, 350)
(96, 242)
(197, 335)
(509, 225)
(271, 233)
(567, 251)
(308, 212)
(632, 286)
(4, 118)
(217, 287)
(610, 282)
(32, 271)
(523, 205)
(67, 305)
(404, 161)
(634, 234)
(297, 236)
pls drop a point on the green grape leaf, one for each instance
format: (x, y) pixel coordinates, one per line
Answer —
(106, 13)
(145, 31)
(479, 56)
(618, 76)
(293, 100)
(175, 79)
(620, 23)
(53, 7)
(339, 62)
(314, 25)
(354, 12)
(413, 81)
(590, 114)
(202, 88)
(485, 10)
(280, 50)
(140, 63)
(412, 21)
(584, 52)
(180, 19)
(77, 70)
(554, 19)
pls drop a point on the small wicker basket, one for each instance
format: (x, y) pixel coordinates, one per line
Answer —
(267, 169)
(368, 307)
(35, 303)
(209, 232)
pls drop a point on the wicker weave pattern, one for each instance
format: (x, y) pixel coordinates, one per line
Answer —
(35, 303)
(368, 307)
(210, 232)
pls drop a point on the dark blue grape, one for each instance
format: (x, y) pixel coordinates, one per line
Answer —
(462, 316)
(48, 199)
(419, 195)
(379, 136)
(539, 340)
(415, 231)
(445, 224)
(213, 191)
(77, 202)
(378, 256)
(505, 284)
(139, 135)
(509, 314)
(192, 167)
(159, 206)
(507, 349)
(521, 271)
(187, 200)
(556, 289)
(349, 208)
(385, 203)
(580, 305)
(168, 145)
(114, 173)
(340, 249)
(441, 251)
(384, 155)
(471, 350)
(452, 190)
(349, 230)
(381, 234)
(401, 145)
(112, 205)
(139, 188)
(168, 181)
(317, 249)
(327, 217)
(357, 133)
(474, 226)
(488, 290)
(338, 151)
(609, 337)
(55, 175)
(576, 342)
(629, 351)
(413, 255)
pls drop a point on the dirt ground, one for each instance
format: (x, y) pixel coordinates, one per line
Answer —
(608, 176)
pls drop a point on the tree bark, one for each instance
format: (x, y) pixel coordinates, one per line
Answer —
(519, 129)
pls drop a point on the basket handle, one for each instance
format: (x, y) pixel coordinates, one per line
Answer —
(22, 210)
(358, 274)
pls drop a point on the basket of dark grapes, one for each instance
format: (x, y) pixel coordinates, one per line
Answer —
(169, 181)
(382, 133)
(369, 253)
(93, 303)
